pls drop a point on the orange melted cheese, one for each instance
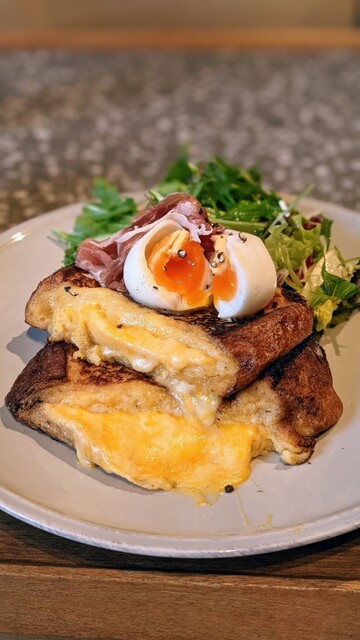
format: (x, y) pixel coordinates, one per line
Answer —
(160, 451)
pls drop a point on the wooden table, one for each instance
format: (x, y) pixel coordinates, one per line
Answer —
(50, 586)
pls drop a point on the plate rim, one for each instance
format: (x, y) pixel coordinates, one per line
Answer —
(133, 542)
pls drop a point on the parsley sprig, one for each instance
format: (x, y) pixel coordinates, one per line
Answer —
(102, 217)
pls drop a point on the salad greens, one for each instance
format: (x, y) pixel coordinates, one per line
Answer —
(329, 290)
(99, 219)
(232, 197)
(235, 198)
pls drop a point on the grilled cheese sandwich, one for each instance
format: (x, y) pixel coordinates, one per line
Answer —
(198, 357)
(121, 421)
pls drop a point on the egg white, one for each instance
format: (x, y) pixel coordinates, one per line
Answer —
(255, 274)
(140, 281)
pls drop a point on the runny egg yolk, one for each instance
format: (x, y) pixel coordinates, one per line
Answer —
(178, 264)
(224, 283)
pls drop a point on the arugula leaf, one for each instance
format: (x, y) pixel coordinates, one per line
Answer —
(181, 172)
(232, 196)
(99, 219)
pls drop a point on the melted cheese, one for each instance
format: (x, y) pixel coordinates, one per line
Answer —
(100, 339)
(106, 326)
(160, 451)
(140, 347)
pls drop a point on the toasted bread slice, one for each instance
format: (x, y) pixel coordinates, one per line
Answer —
(257, 341)
(122, 421)
(293, 399)
(198, 357)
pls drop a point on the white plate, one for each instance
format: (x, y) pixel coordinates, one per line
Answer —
(277, 508)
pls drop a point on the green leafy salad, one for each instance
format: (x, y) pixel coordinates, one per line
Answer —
(299, 245)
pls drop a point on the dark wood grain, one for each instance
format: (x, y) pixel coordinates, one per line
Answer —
(102, 603)
(127, 596)
(22, 544)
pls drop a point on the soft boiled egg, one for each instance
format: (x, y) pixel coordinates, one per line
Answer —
(244, 275)
(165, 269)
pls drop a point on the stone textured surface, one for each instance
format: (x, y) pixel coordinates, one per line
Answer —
(66, 117)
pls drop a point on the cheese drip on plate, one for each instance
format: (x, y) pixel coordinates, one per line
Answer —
(161, 451)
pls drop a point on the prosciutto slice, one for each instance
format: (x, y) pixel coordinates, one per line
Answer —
(105, 259)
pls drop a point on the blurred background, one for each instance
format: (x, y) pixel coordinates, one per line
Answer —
(89, 14)
(86, 90)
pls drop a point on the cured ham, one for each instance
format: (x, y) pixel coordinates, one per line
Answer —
(105, 260)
